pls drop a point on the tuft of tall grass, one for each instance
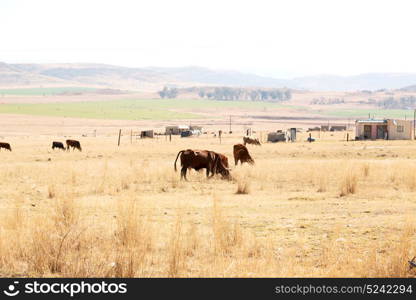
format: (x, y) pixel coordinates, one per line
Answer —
(348, 184)
(133, 239)
(176, 253)
(366, 169)
(227, 235)
(322, 183)
(243, 187)
(409, 178)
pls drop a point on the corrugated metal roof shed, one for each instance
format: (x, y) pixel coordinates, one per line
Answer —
(372, 121)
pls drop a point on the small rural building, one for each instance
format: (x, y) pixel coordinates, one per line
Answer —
(275, 137)
(176, 129)
(389, 129)
(146, 134)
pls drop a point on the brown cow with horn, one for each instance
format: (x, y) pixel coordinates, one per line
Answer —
(214, 163)
(241, 154)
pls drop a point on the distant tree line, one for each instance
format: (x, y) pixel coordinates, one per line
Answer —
(405, 102)
(327, 101)
(230, 93)
(376, 91)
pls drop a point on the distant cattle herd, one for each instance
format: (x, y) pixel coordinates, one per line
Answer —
(213, 162)
(55, 145)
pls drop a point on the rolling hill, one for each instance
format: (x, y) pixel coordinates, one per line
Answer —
(11, 75)
(109, 76)
(153, 78)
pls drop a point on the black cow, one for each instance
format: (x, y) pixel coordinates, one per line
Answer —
(58, 145)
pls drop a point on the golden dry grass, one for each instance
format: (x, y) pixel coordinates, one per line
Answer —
(328, 208)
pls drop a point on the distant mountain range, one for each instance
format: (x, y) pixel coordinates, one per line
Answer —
(152, 78)
(370, 81)
(410, 88)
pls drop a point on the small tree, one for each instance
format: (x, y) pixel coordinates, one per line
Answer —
(168, 92)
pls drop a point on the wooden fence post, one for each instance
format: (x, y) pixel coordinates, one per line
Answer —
(119, 136)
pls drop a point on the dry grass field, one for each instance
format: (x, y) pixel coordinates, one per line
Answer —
(329, 208)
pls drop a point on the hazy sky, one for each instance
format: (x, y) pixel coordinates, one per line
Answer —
(276, 37)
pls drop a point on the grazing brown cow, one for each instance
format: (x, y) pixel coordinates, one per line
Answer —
(213, 162)
(223, 158)
(241, 154)
(249, 140)
(221, 167)
(74, 144)
(58, 145)
(5, 146)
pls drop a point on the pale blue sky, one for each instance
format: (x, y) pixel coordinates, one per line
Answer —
(280, 38)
